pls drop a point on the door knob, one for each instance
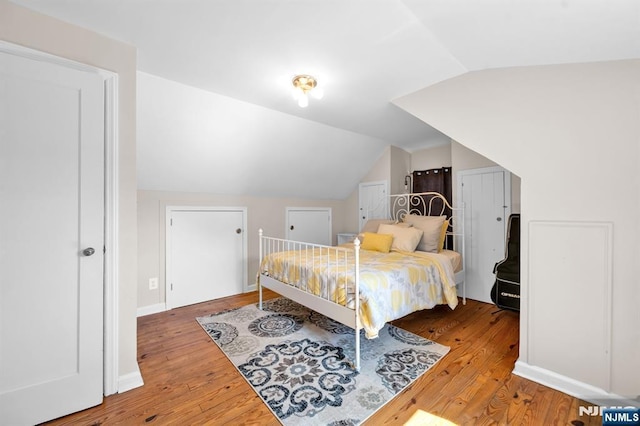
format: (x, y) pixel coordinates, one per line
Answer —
(238, 231)
(88, 251)
(499, 219)
(291, 227)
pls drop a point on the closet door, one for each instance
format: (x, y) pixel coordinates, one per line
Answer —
(51, 240)
(206, 254)
(309, 225)
(486, 194)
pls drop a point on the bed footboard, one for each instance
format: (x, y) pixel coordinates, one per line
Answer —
(341, 269)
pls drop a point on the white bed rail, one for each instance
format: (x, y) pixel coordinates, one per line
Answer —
(308, 256)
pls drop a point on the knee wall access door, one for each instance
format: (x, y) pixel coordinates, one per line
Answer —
(309, 225)
(206, 254)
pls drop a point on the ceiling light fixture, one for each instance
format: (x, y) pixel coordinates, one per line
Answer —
(303, 85)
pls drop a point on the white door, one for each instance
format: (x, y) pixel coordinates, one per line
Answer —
(205, 255)
(51, 240)
(309, 225)
(373, 202)
(486, 196)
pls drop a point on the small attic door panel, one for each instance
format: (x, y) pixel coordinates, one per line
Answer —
(309, 225)
(206, 254)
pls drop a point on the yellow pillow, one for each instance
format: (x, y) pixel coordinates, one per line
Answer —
(377, 242)
(443, 235)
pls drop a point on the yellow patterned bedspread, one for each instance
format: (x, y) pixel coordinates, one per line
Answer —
(392, 285)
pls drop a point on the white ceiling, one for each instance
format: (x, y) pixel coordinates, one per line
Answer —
(365, 53)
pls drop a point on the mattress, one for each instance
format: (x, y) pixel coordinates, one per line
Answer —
(392, 285)
(455, 258)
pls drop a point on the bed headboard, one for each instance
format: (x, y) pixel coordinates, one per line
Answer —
(422, 204)
(429, 204)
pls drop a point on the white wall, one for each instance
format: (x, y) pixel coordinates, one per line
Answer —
(30, 29)
(431, 158)
(381, 169)
(400, 164)
(572, 133)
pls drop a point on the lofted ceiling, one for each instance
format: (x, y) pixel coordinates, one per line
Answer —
(364, 53)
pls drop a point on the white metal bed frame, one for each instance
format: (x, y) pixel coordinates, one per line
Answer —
(400, 205)
(413, 203)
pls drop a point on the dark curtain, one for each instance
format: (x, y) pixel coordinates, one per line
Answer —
(435, 180)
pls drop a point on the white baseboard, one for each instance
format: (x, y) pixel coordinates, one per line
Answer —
(252, 287)
(151, 309)
(130, 381)
(570, 386)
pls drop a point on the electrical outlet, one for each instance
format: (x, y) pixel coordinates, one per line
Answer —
(153, 283)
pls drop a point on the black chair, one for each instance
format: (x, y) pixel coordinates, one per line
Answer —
(506, 290)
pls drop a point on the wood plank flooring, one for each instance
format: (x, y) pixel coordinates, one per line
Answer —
(188, 381)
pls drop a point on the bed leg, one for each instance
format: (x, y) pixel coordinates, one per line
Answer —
(356, 254)
(260, 233)
(464, 292)
(357, 349)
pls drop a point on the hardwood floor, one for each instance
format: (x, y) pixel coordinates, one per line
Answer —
(189, 381)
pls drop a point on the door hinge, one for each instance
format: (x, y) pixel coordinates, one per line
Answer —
(171, 286)
(171, 222)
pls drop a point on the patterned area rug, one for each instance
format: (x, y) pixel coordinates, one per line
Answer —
(300, 362)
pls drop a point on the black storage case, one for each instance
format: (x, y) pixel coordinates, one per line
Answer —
(506, 290)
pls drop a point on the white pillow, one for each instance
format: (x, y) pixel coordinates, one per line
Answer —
(404, 238)
(431, 227)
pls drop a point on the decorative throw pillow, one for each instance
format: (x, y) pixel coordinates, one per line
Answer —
(431, 227)
(404, 238)
(377, 242)
(443, 235)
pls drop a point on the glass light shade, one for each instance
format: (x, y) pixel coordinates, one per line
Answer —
(297, 93)
(317, 93)
(303, 86)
